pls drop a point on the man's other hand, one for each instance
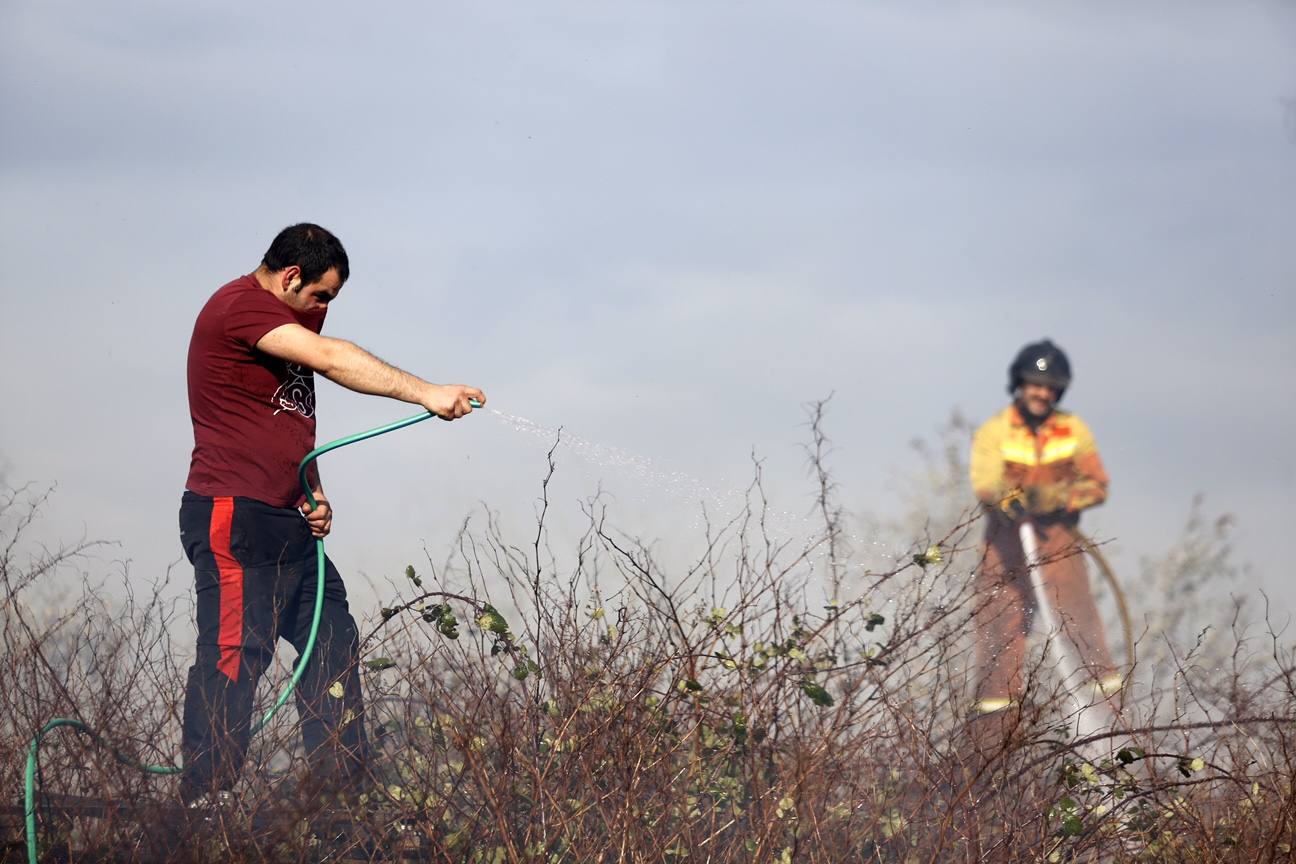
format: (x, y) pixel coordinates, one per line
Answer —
(1048, 498)
(319, 518)
(1013, 505)
(450, 401)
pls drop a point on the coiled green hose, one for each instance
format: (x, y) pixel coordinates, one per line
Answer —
(165, 770)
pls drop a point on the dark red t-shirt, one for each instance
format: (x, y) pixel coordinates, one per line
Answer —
(253, 414)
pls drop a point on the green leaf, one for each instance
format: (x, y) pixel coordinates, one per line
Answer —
(931, 555)
(412, 576)
(874, 620)
(492, 621)
(388, 612)
(526, 669)
(448, 624)
(434, 613)
(785, 806)
(817, 693)
(1072, 826)
(379, 663)
(739, 729)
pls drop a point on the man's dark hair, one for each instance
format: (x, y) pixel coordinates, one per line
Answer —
(311, 248)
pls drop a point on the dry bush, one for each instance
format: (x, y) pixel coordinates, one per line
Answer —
(744, 709)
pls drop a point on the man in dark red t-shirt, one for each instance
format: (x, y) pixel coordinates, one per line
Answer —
(244, 522)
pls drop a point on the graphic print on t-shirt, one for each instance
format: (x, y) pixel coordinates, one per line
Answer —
(296, 393)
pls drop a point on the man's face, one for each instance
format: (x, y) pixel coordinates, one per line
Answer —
(1038, 399)
(314, 297)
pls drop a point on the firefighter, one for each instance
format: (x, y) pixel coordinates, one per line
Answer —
(1035, 461)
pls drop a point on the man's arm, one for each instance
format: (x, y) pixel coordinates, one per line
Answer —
(1090, 486)
(987, 467)
(348, 364)
(1086, 488)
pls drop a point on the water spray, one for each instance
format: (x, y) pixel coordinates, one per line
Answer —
(1090, 716)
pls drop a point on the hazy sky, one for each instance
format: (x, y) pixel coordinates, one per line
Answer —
(665, 226)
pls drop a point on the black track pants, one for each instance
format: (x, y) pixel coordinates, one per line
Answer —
(255, 573)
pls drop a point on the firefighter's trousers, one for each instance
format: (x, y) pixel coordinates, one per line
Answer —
(1006, 608)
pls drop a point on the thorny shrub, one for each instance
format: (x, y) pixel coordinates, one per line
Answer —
(591, 707)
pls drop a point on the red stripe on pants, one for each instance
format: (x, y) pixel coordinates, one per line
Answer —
(230, 639)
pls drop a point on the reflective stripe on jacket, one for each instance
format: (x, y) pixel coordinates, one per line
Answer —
(1061, 455)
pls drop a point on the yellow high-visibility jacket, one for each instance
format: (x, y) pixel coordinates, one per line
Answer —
(1059, 460)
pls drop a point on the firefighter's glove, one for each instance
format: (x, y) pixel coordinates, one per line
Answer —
(1047, 498)
(1084, 494)
(1013, 505)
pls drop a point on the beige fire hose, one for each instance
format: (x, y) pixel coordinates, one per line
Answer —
(1122, 607)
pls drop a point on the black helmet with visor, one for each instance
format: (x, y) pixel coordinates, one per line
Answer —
(1040, 363)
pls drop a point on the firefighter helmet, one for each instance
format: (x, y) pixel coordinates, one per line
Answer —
(1041, 363)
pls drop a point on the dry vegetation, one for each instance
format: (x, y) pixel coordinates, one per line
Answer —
(769, 704)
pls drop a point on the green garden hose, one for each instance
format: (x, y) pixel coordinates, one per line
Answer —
(164, 770)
